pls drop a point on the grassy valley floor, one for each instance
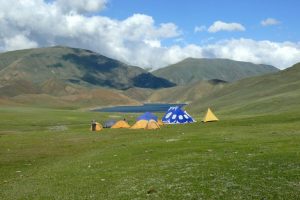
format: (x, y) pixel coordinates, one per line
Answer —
(51, 154)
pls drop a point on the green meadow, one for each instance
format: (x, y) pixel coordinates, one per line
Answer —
(51, 154)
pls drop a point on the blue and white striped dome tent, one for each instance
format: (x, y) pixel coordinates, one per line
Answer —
(177, 116)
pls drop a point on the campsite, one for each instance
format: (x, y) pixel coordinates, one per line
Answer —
(52, 154)
(134, 100)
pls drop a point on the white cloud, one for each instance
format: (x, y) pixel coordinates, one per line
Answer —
(136, 40)
(281, 55)
(223, 26)
(19, 42)
(269, 22)
(199, 29)
(153, 43)
(80, 6)
(45, 24)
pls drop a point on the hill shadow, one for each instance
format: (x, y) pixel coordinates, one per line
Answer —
(92, 63)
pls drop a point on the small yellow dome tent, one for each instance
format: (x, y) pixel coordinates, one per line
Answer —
(152, 124)
(145, 124)
(121, 124)
(160, 122)
(210, 116)
(140, 124)
(96, 127)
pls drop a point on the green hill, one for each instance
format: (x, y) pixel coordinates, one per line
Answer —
(178, 94)
(55, 94)
(184, 94)
(278, 92)
(77, 66)
(68, 77)
(192, 70)
(72, 78)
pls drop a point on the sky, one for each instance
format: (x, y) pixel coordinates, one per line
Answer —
(156, 33)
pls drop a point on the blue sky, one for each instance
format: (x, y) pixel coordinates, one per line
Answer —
(156, 33)
(190, 13)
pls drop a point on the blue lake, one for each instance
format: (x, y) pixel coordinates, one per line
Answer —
(151, 107)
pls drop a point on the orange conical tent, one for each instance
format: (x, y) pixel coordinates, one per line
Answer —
(121, 124)
(210, 116)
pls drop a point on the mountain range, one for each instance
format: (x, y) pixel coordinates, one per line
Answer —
(75, 78)
(77, 66)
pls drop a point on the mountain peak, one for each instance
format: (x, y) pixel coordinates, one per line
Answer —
(191, 70)
(76, 66)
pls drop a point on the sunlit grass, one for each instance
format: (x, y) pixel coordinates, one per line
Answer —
(51, 154)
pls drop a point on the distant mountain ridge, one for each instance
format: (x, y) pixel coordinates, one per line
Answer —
(277, 92)
(68, 77)
(192, 70)
(75, 78)
(77, 66)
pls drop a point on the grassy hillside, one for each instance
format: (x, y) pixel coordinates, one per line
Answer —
(51, 154)
(71, 65)
(82, 98)
(184, 94)
(178, 94)
(265, 94)
(192, 70)
(58, 94)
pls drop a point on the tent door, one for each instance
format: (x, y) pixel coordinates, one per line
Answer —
(94, 126)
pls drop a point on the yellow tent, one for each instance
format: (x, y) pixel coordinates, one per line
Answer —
(121, 124)
(139, 124)
(160, 122)
(145, 124)
(210, 116)
(96, 127)
(152, 124)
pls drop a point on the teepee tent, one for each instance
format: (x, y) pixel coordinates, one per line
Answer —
(177, 116)
(121, 124)
(210, 116)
